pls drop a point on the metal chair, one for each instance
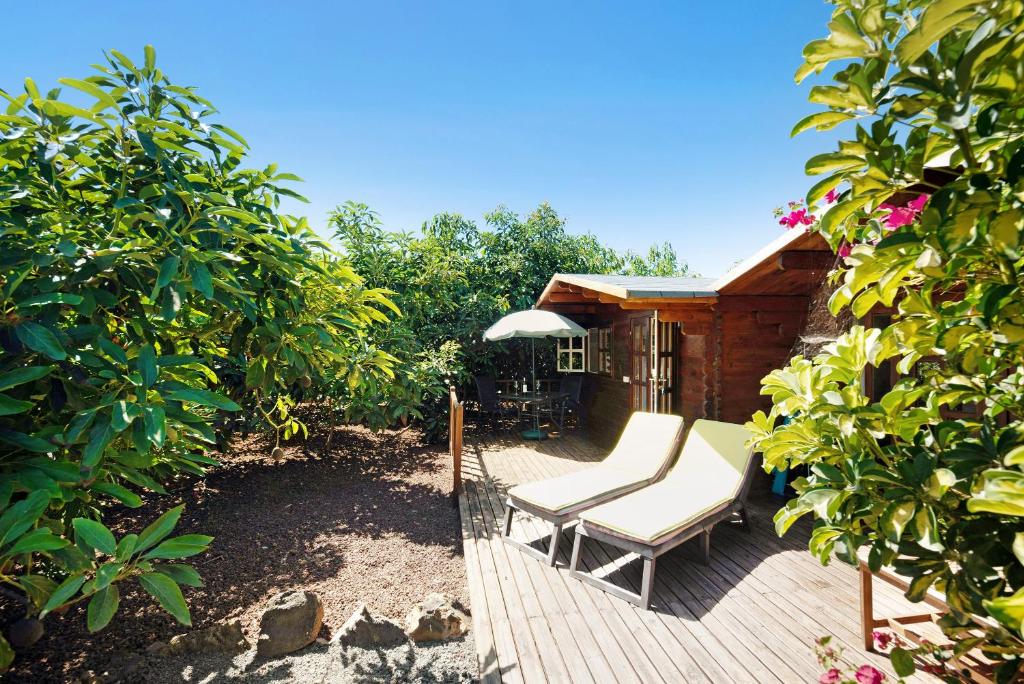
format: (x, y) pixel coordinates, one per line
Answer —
(488, 401)
(569, 400)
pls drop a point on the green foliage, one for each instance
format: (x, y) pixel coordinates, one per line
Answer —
(451, 282)
(149, 291)
(929, 477)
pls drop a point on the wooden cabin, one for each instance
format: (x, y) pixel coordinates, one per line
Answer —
(697, 347)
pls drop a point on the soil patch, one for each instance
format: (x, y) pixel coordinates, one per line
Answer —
(367, 517)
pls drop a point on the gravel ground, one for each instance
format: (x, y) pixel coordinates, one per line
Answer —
(449, 661)
(368, 518)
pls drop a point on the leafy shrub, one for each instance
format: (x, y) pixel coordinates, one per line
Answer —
(149, 289)
(929, 477)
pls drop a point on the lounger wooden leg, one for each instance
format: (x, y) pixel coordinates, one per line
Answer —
(867, 612)
(648, 583)
(705, 543)
(745, 520)
(577, 546)
(556, 536)
(508, 519)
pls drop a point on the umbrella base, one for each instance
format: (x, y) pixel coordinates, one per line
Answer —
(535, 434)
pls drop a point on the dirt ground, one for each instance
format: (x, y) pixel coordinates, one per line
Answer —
(369, 519)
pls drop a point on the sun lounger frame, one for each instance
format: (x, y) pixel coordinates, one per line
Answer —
(649, 552)
(560, 520)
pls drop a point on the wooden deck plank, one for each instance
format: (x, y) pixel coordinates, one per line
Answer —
(599, 606)
(653, 642)
(751, 615)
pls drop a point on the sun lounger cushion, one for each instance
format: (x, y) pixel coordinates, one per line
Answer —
(646, 448)
(707, 477)
(559, 494)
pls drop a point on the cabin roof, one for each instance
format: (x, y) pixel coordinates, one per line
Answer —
(645, 287)
(792, 264)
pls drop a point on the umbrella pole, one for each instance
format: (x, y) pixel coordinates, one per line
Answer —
(536, 432)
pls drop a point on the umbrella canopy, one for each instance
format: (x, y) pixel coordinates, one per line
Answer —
(533, 323)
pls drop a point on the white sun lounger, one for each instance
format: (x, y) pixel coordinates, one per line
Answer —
(646, 449)
(707, 485)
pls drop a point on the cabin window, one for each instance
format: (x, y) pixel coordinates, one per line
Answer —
(572, 356)
(599, 352)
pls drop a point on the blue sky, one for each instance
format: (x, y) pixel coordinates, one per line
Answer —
(639, 122)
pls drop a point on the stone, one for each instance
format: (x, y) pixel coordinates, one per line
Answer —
(290, 621)
(435, 618)
(368, 631)
(25, 633)
(223, 637)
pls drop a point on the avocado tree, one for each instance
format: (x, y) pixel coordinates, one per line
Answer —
(929, 477)
(149, 291)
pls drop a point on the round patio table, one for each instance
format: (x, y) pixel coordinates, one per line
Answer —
(535, 401)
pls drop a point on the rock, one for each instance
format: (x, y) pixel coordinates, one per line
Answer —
(291, 621)
(367, 631)
(223, 637)
(435, 618)
(25, 632)
(126, 666)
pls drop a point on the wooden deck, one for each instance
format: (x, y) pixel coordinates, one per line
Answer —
(752, 615)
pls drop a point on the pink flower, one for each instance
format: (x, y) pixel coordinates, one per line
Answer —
(918, 204)
(845, 249)
(902, 216)
(797, 217)
(832, 196)
(831, 677)
(898, 216)
(866, 674)
(882, 639)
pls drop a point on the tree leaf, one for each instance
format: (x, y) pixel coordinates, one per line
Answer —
(181, 547)
(146, 363)
(103, 97)
(166, 591)
(902, 662)
(181, 573)
(20, 376)
(159, 528)
(6, 655)
(10, 407)
(937, 19)
(39, 539)
(40, 339)
(168, 269)
(204, 398)
(63, 593)
(201, 280)
(821, 121)
(102, 607)
(125, 496)
(95, 535)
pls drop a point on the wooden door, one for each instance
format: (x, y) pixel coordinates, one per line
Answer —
(665, 367)
(640, 364)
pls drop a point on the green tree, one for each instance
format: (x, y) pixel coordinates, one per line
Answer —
(149, 291)
(929, 476)
(661, 260)
(452, 281)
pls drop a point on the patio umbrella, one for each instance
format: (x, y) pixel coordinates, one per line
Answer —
(533, 323)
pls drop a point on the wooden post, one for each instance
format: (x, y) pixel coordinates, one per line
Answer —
(455, 409)
(867, 613)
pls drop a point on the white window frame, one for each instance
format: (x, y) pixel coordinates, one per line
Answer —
(572, 347)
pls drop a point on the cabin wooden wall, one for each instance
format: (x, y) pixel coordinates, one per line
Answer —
(607, 396)
(724, 350)
(756, 335)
